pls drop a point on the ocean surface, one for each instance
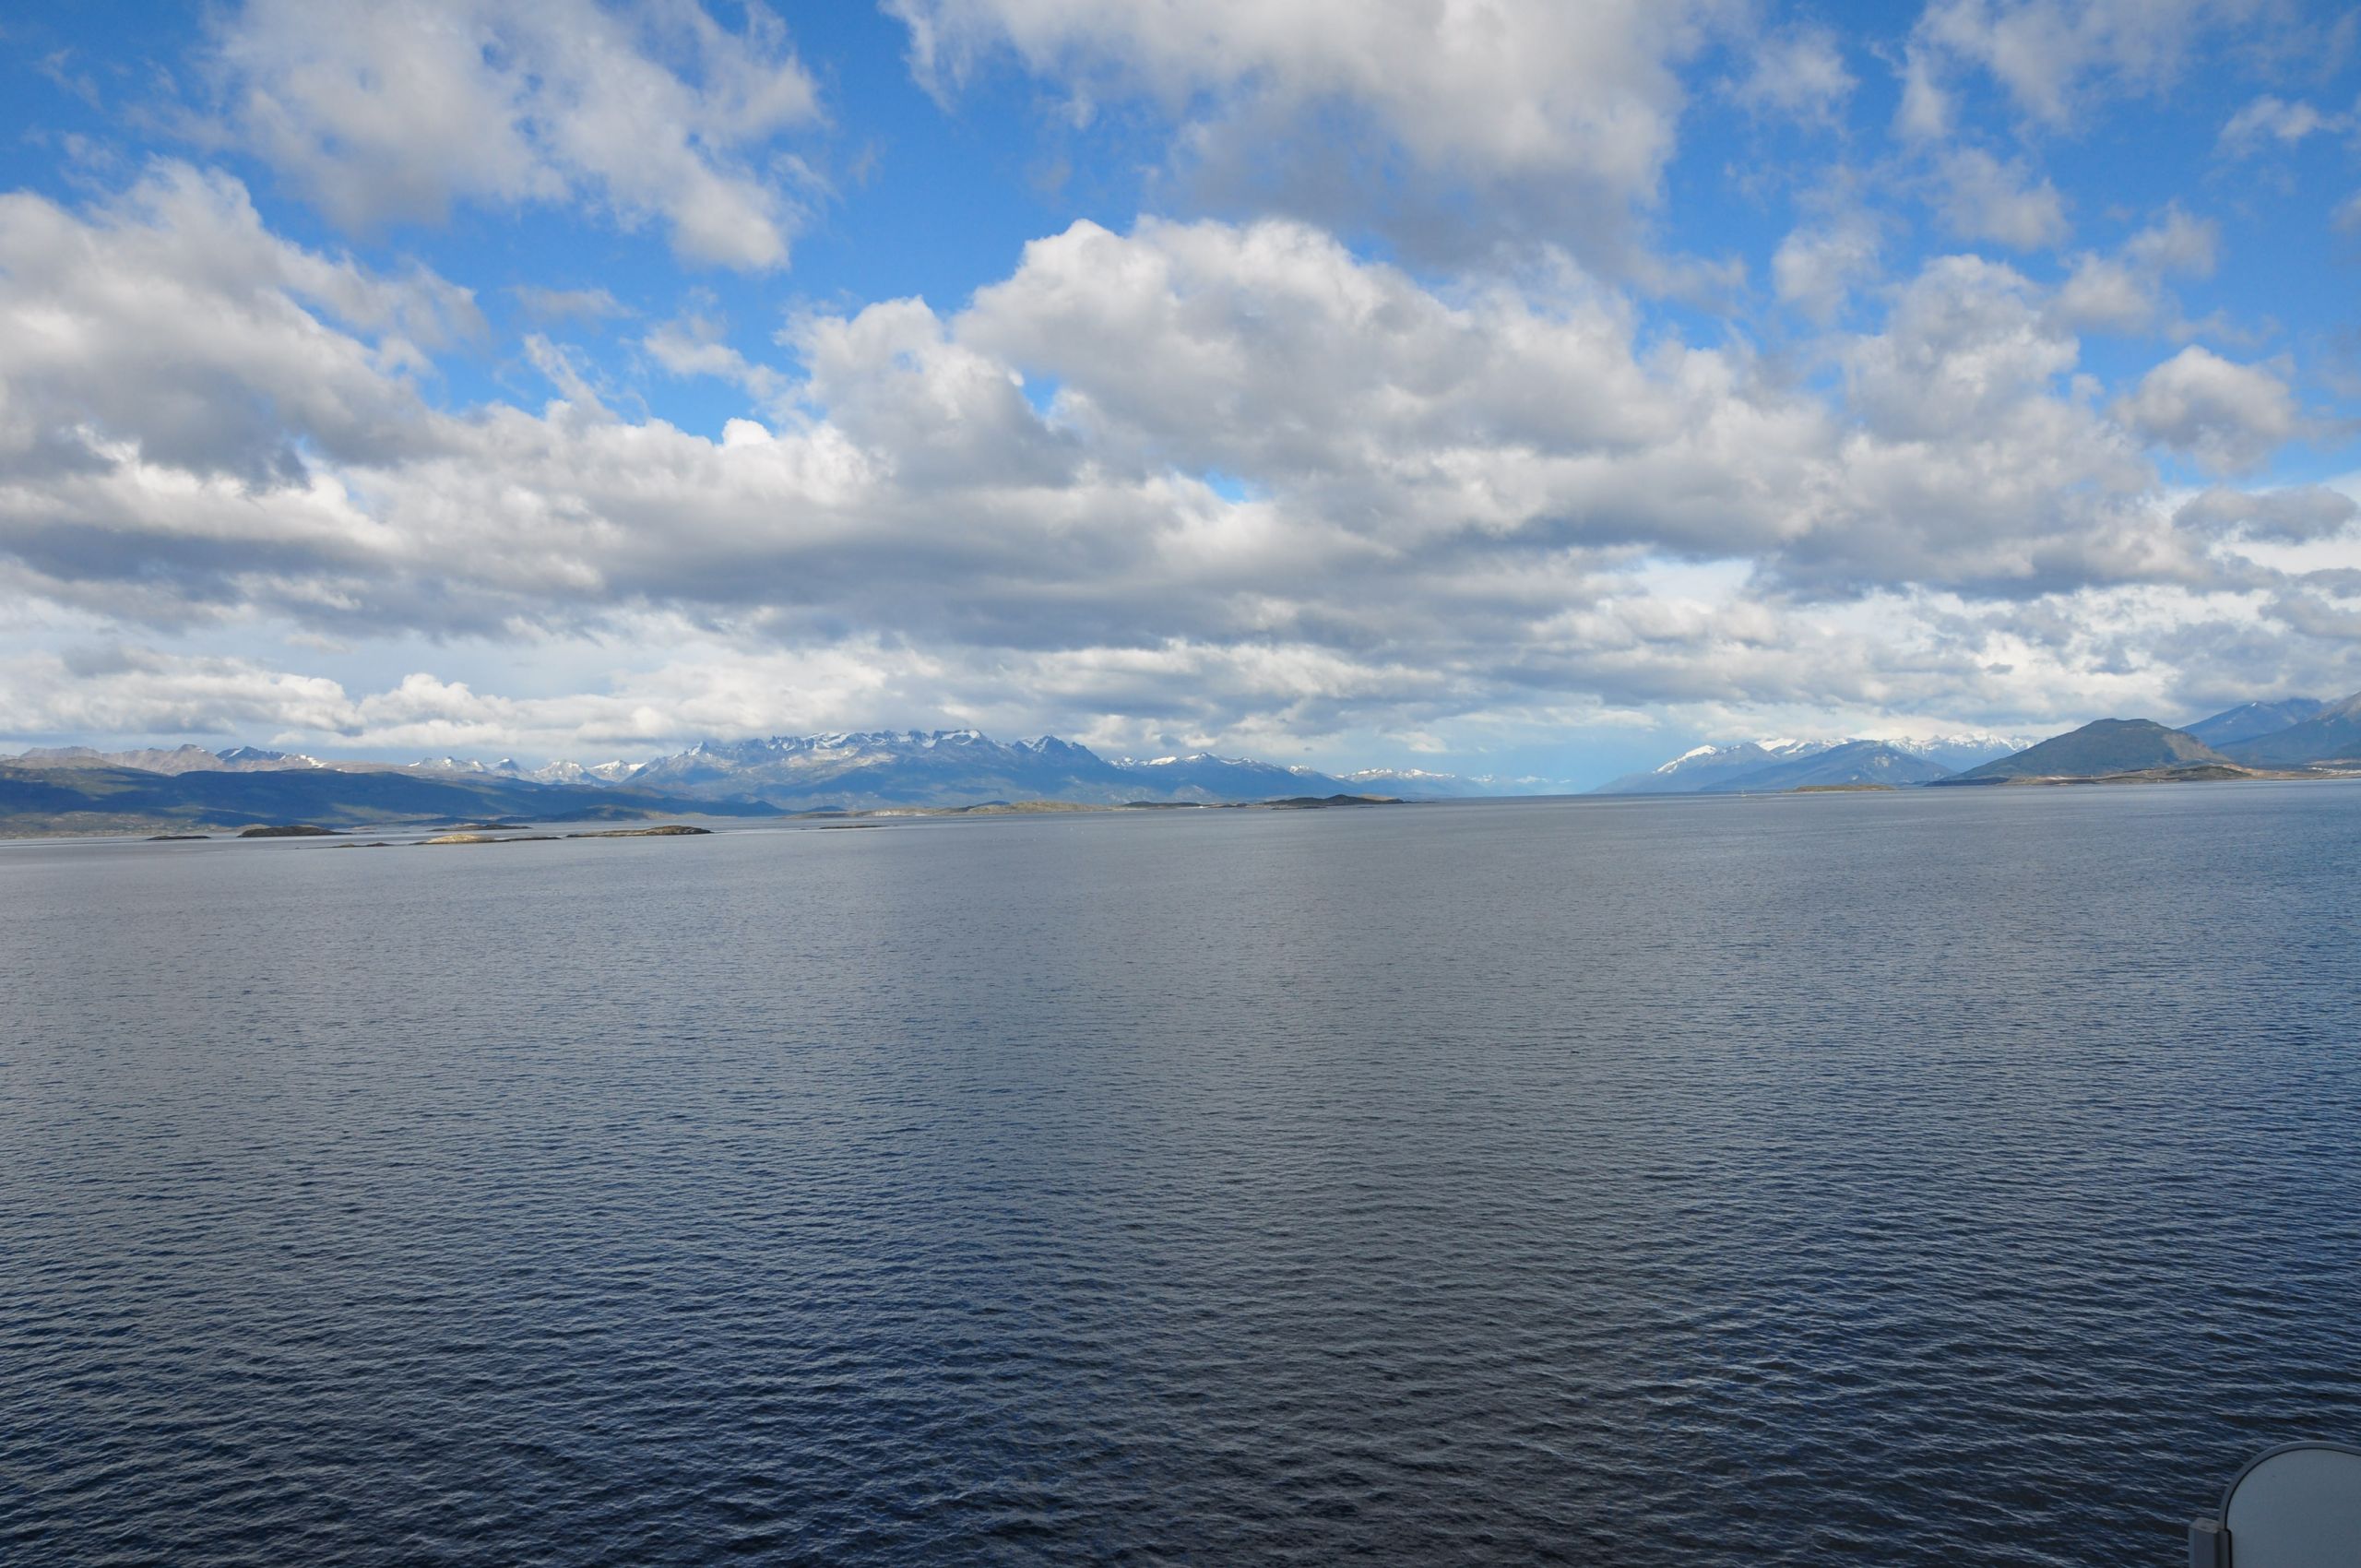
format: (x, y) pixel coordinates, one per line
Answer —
(1939, 1178)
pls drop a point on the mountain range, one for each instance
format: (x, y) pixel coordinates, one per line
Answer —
(2251, 720)
(2298, 734)
(2332, 733)
(80, 789)
(1769, 767)
(73, 789)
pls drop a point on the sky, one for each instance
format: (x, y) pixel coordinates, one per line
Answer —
(1506, 387)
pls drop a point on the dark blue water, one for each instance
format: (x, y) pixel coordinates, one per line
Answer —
(1944, 1178)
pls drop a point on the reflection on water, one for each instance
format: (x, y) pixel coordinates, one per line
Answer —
(1956, 1177)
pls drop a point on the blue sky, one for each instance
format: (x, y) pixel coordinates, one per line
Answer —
(1509, 388)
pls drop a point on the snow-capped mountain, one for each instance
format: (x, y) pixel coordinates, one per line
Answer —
(1700, 767)
(958, 768)
(1850, 762)
(509, 768)
(614, 772)
(506, 768)
(1958, 753)
(905, 767)
(1786, 762)
(1203, 776)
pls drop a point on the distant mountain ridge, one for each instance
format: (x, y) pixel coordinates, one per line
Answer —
(179, 759)
(2251, 720)
(1770, 765)
(1695, 770)
(2280, 735)
(849, 770)
(44, 795)
(1852, 762)
(867, 769)
(2333, 734)
(886, 767)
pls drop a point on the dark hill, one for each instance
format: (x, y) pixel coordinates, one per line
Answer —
(2333, 735)
(2097, 750)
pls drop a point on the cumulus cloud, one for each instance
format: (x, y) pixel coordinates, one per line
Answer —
(1401, 107)
(1204, 479)
(2053, 57)
(1983, 198)
(1799, 72)
(2229, 417)
(172, 320)
(651, 112)
(2127, 291)
(1817, 268)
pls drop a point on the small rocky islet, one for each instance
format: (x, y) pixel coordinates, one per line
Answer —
(668, 830)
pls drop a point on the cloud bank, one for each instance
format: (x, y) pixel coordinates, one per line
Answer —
(1195, 478)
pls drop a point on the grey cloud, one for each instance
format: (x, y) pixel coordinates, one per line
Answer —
(2282, 517)
(2228, 416)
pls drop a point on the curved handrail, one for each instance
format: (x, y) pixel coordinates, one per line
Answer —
(2251, 1465)
(2210, 1543)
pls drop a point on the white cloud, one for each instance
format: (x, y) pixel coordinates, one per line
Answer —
(395, 109)
(1798, 72)
(2229, 417)
(2176, 244)
(2271, 118)
(174, 320)
(691, 345)
(1983, 198)
(568, 305)
(114, 689)
(1275, 487)
(1815, 269)
(2053, 56)
(2126, 293)
(1572, 110)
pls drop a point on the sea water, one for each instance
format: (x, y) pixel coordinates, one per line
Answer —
(1944, 1177)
